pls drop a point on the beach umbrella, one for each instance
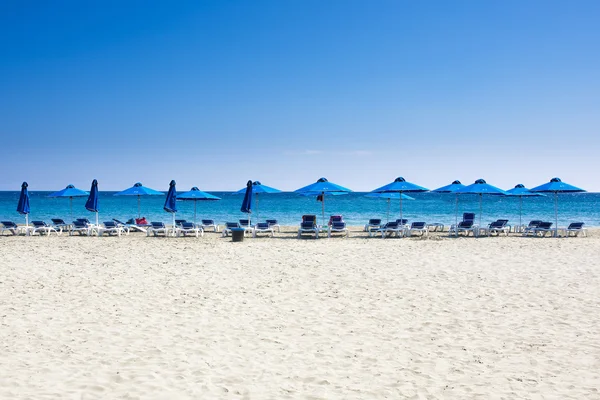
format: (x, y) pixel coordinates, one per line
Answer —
(170, 202)
(196, 195)
(556, 186)
(320, 188)
(258, 188)
(452, 188)
(400, 185)
(139, 190)
(92, 202)
(23, 204)
(389, 196)
(521, 191)
(70, 191)
(480, 187)
(247, 203)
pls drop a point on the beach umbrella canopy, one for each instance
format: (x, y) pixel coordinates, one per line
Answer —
(521, 191)
(23, 204)
(452, 188)
(320, 188)
(400, 185)
(556, 186)
(196, 195)
(258, 188)
(139, 190)
(247, 202)
(389, 196)
(92, 202)
(481, 187)
(171, 202)
(70, 191)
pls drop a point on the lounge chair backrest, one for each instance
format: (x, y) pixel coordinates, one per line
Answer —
(157, 225)
(179, 221)
(230, 225)
(110, 224)
(272, 222)
(208, 221)
(9, 224)
(468, 216)
(545, 225)
(307, 225)
(187, 225)
(338, 224)
(38, 224)
(335, 218)
(392, 225)
(465, 224)
(375, 221)
(309, 218)
(79, 224)
(244, 222)
(402, 221)
(497, 224)
(417, 225)
(58, 221)
(534, 223)
(575, 225)
(262, 225)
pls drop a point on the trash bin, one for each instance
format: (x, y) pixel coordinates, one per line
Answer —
(237, 234)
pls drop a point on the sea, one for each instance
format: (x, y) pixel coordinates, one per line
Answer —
(288, 208)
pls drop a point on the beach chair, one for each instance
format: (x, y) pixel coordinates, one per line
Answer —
(418, 227)
(262, 227)
(575, 228)
(110, 228)
(274, 224)
(435, 226)
(309, 227)
(530, 229)
(209, 224)
(41, 228)
(126, 227)
(393, 228)
(468, 216)
(403, 221)
(79, 227)
(335, 218)
(129, 226)
(9, 226)
(498, 227)
(229, 226)
(466, 227)
(373, 224)
(543, 229)
(158, 228)
(338, 227)
(179, 221)
(60, 223)
(189, 227)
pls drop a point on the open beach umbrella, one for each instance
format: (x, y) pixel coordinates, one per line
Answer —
(320, 188)
(389, 196)
(521, 191)
(452, 188)
(556, 186)
(247, 203)
(23, 204)
(70, 191)
(171, 201)
(480, 187)
(139, 190)
(196, 195)
(92, 202)
(258, 188)
(400, 185)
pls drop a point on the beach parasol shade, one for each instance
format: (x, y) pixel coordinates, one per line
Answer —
(23, 204)
(481, 187)
(400, 185)
(258, 188)
(196, 195)
(92, 202)
(320, 188)
(389, 196)
(139, 190)
(556, 186)
(70, 191)
(247, 202)
(521, 191)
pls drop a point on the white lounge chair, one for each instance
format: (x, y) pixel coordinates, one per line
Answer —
(543, 229)
(309, 226)
(189, 227)
(263, 227)
(158, 228)
(498, 227)
(393, 228)
(575, 228)
(41, 228)
(80, 227)
(229, 226)
(9, 226)
(338, 227)
(373, 224)
(417, 227)
(464, 226)
(209, 224)
(274, 224)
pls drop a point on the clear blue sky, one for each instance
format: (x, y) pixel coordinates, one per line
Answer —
(213, 93)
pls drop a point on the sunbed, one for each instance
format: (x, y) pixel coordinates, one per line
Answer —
(373, 224)
(498, 227)
(466, 227)
(209, 223)
(41, 228)
(129, 225)
(530, 229)
(9, 226)
(189, 227)
(309, 225)
(575, 228)
(79, 227)
(393, 228)
(274, 224)
(158, 228)
(262, 227)
(110, 228)
(60, 223)
(229, 226)
(418, 227)
(338, 227)
(543, 229)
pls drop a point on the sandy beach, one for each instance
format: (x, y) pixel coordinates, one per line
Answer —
(282, 318)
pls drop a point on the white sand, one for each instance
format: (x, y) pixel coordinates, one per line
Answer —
(154, 318)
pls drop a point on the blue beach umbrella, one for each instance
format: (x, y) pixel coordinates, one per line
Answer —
(452, 188)
(389, 196)
(247, 203)
(320, 188)
(171, 201)
(258, 188)
(196, 195)
(139, 190)
(70, 191)
(480, 187)
(92, 202)
(23, 204)
(400, 185)
(556, 186)
(521, 191)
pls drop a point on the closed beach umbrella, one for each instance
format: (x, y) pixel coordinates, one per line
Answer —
(321, 188)
(171, 202)
(389, 196)
(481, 187)
(258, 188)
(92, 202)
(196, 195)
(139, 190)
(556, 186)
(247, 203)
(452, 188)
(400, 185)
(521, 191)
(70, 191)
(23, 204)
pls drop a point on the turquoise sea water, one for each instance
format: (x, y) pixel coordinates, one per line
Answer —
(289, 207)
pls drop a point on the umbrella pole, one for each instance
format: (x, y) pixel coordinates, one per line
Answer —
(257, 218)
(139, 210)
(27, 224)
(401, 207)
(480, 207)
(195, 202)
(556, 213)
(388, 214)
(323, 209)
(456, 217)
(71, 206)
(173, 214)
(97, 225)
(520, 211)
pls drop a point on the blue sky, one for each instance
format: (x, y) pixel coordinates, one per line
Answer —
(213, 93)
